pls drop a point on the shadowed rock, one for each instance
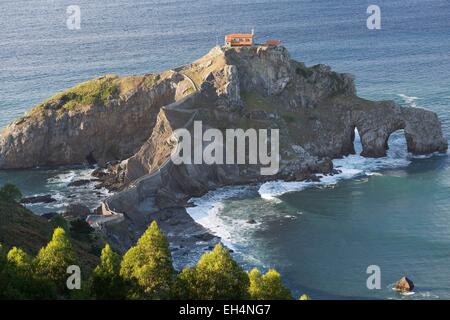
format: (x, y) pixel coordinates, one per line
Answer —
(38, 199)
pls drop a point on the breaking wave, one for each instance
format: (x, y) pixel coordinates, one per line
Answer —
(410, 101)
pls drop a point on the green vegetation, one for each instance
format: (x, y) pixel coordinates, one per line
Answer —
(10, 193)
(81, 230)
(52, 261)
(216, 276)
(59, 221)
(149, 266)
(93, 92)
(106, 282)
(144, 272)
(304, 297)
(150, 80)
(268, 286)
(19, 227)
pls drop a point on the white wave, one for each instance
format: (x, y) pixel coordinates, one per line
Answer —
(207, 212)
(62, 178)
(377, 174)
(69, 176)
(272, 189)
(411, 101)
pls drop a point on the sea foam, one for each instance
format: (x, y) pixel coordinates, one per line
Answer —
(410, 101)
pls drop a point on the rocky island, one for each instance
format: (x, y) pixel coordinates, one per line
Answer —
(125, 125)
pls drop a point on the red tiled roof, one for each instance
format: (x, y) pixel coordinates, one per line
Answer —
(239, 35)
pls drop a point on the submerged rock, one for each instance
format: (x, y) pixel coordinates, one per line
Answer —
(404, 285)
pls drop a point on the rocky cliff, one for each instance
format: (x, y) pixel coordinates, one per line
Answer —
(132, 120)
(100, 120)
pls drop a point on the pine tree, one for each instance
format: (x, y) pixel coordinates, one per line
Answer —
(21, 282)
(19, 274)
(215, 277)
(268, 286)
(52, 260)
(149, 266)
(106, 283)
(9, 192)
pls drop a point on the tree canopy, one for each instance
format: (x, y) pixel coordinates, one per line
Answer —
(145, 272)
(216, 276)
(268, 286)
(52, 260)
(106, 283)
(149, 265)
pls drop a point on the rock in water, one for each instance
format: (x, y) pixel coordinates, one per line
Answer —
(404, 285)
(38, 199)
(78, 183)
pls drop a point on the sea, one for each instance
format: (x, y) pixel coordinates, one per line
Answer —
(391, 214)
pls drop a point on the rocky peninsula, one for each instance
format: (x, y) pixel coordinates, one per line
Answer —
(125, 125)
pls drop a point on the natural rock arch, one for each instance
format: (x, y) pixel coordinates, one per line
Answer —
(401, 147)
(356, 143)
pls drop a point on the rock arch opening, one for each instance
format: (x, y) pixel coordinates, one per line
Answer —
(396, 144)
(356, 141)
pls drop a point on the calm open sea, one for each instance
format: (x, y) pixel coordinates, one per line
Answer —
(392, 212)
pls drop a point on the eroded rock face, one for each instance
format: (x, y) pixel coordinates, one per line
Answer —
(375, 122)
(107, 130)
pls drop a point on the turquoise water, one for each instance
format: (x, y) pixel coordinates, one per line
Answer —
(392, 213)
